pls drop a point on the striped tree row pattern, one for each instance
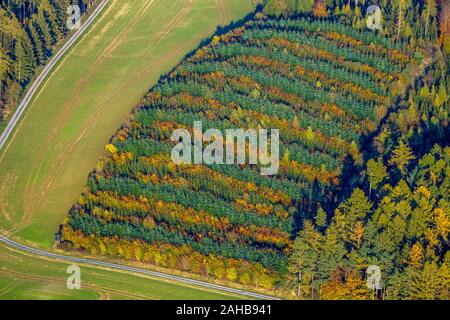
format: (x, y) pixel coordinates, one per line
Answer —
(323, 85)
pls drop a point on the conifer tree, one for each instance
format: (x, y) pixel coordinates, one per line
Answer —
(303, 260)
(39, 48)
(321, 217)
(430, 11)
(44, 32)
(442, 93)
(4, 64)
(376, 172)
(24, 63)
(402, 156)
(357, 207)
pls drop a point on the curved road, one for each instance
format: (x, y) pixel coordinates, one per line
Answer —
(99, 263)
(10, 128)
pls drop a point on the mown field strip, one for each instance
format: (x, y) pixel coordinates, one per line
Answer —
(23, 275)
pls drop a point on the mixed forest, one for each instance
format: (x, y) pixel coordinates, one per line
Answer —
(30, 30)
(365, 160)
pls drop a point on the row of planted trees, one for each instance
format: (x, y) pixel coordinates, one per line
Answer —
(240, 80)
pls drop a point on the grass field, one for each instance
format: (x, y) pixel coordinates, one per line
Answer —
(56, 144)
(28, 277)
(45, 164)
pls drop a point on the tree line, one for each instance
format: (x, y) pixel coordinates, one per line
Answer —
(410, 21)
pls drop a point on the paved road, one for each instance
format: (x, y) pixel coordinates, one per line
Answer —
(99, 263)
(10, 128)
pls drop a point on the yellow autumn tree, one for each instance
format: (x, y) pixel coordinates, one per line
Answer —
(402, 156)
(320, 9)
(111, 148)
(416, 255)
(346, 285)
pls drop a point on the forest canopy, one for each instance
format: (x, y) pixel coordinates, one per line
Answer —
(364, 175)
(356, 109)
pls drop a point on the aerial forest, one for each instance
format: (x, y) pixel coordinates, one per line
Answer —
(364, 175)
